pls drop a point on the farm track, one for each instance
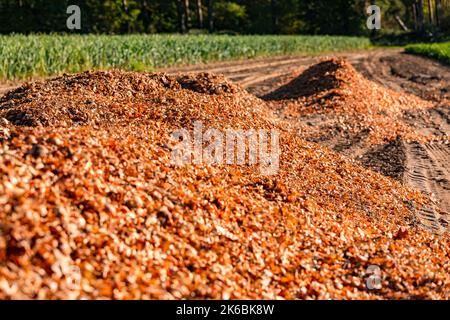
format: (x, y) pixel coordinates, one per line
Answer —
(423, 166)
(260, 76)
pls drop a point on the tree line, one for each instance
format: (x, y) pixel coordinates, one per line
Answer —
(437, 13)
(344, 17)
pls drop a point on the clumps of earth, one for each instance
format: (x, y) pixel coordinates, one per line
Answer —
(93, 207)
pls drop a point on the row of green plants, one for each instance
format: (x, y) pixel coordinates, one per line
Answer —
(25, 56)
(438, 51)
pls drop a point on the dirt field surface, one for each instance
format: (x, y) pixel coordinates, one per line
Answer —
(425, 166)
(5, 87)
(93, 205)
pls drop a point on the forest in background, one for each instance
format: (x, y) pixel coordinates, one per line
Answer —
(337, 17)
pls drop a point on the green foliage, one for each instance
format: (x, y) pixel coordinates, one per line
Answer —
(337, 17)
(334, 17)
(107, 16)
(24, 56)
(230, 16)
(438, 51)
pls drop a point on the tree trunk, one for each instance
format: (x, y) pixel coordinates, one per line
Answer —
(401, 23)
(274, 7)
(438, 12)
(127, 12)
(186, 13)
(181, 17)
(199, 14)
(145, 15)
(211, 16)
(419, 9)
(414, 11)
(430, 12)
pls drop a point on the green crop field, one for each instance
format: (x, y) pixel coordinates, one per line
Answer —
(24, 56)
(439, 51)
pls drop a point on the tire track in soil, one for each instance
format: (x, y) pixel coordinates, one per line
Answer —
(427, 166)
(426, 169)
